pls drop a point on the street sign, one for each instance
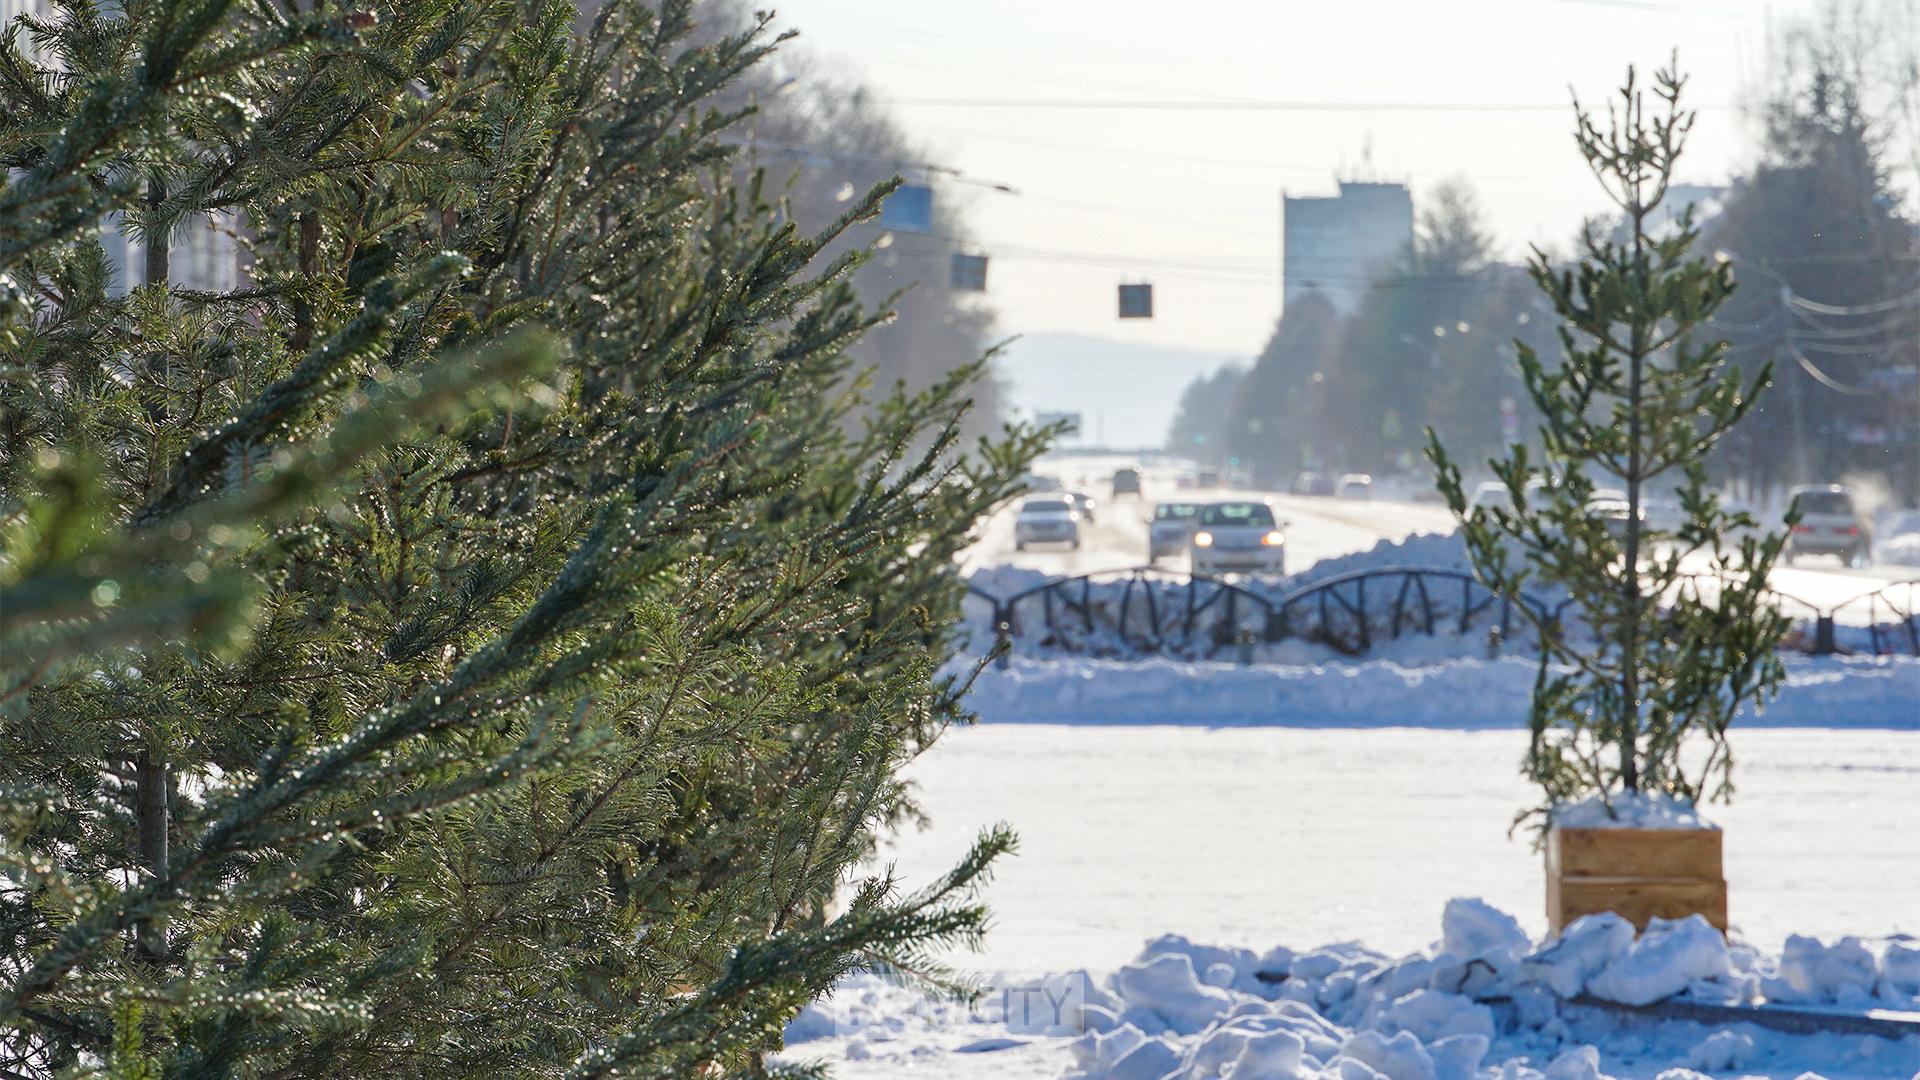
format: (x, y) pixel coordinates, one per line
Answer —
(1136, 301)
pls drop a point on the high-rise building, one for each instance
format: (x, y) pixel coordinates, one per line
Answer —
(1334, 245)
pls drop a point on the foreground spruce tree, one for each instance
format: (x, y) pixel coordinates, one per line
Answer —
(1681, 630)
(478, 643)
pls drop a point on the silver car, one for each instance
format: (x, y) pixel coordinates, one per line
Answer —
(1238, 537)
(1046, 520)
(1169, 529)
(1829, 525)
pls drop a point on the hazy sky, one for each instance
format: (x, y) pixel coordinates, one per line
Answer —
(1188, 198)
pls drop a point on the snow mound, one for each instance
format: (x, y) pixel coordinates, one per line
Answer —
(1902, 549)
(1630, 811)
(1485, 1003)
(1898, 538)
(1669, 957)
(1821, 692)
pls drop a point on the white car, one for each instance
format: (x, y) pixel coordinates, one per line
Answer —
(1046, 520)
(1829, 525)
(1355, 486)
(1490, 493)
(1170, 528)
(1238, 537)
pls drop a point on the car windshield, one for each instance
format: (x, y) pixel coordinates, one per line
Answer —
(1046, 506)
(1825, 502)
(1174, 511)
(1237, 513)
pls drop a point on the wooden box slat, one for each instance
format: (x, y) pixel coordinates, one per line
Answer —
(1654, 853)
(1639, 874)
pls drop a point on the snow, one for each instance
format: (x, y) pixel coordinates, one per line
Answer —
(1667, 958)
(1624, 811)
(1354, 1019)
(1285, 835)
(1844, 973)
(1897, 538)
(1582, 951)
(1315, 798)
(1862, 692)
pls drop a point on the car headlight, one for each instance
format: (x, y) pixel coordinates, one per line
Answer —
(1274, 538)
(1203, 539)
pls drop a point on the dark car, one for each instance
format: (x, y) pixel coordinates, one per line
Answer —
(1126, 482)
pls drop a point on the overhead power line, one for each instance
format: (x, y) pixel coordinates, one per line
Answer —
(1822, 377)
(1894, 303)
(1247, 105)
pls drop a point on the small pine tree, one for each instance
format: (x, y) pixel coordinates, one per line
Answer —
(1682, 633)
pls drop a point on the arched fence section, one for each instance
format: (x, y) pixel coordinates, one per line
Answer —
(1156, 611)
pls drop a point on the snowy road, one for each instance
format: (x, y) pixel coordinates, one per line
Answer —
(1316, 528)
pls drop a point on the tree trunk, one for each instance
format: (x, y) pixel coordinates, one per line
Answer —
(152, 782)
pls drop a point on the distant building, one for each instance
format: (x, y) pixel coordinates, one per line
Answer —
(204, 252)
(1334, 245)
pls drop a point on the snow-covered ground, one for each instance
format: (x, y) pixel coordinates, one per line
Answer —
(1269, 835)
(1260, 813)
(1256, 837)
(1483, 1001)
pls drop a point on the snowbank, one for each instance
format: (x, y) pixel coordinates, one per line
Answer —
(1821, 692)
(1485, 1003)
(1897, 538)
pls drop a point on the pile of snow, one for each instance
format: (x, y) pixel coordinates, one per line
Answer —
(1630, 811)
(1897, 538)
(1429, 551)
(1484, 1003)
(1821, 692)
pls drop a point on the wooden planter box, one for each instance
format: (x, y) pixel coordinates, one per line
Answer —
(1639, 874)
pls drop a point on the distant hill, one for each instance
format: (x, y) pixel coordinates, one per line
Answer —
(1124, 391)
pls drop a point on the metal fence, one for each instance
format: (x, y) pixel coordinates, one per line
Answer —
(1148, 609)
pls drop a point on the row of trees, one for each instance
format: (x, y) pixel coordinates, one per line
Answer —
(1425, 348)
(820, 140)
(1820, 214)
(484, 640)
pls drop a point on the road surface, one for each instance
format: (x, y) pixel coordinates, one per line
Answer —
(1319, 528)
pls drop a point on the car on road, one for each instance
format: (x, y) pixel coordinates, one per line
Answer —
(1083, 503)
(1488, 494)
(1610, 505)
(1207, 478)
(1829, 524)
(1322, 484)
(1355, 486)
(1170, 528)
(1049, 519)
(1238, 537)
(1126, 482)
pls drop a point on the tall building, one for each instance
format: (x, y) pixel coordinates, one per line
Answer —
(1335, 244)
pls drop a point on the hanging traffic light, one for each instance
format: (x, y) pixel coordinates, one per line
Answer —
(1136, 301)
(969, 273)
(908, 209)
